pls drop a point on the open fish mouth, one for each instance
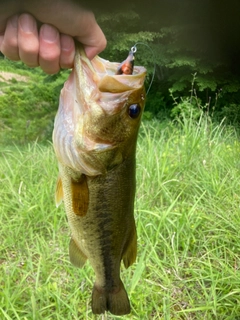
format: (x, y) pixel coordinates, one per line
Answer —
(98, 81)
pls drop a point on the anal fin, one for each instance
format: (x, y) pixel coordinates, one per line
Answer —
(130, 252)
(77, 258)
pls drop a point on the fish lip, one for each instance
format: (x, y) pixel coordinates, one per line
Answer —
(125, 82)
(99, 84)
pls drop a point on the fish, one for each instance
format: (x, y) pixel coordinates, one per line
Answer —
(94, 139)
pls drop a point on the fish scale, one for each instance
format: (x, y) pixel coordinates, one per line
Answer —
(96, 156)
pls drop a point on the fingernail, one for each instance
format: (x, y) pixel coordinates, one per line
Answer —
(27, 23)
(14, 21)
(91, 52)
(49, 33)
(66, 42)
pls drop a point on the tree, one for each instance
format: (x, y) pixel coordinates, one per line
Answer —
(187, 37)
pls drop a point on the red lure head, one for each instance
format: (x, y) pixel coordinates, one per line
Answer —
(126, 67)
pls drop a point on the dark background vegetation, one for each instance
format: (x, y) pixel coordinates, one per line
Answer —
(194, 51)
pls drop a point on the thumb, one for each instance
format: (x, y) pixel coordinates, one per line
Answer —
(94, 41)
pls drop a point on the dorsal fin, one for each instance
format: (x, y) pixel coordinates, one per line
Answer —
(59, 192)
(80, 195)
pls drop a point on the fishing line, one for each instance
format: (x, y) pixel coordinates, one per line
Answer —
(134, 50)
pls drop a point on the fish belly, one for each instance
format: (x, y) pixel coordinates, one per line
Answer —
(104, 232)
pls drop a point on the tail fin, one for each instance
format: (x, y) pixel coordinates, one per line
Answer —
(117, 303)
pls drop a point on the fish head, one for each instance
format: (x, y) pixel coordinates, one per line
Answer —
(105, 111)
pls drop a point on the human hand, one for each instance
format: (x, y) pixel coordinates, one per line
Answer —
(45, 36)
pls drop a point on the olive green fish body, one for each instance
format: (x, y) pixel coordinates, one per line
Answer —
(95, 143)
(106, 234)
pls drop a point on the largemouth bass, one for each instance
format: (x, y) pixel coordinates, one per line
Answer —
(94, 138)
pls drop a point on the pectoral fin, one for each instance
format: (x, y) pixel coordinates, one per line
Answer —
(130, 252)
(80, 196)
(59, 192)
(77, 258)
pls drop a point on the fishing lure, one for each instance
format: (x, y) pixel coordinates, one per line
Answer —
(127, 66)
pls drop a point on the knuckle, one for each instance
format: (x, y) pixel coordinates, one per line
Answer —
(10, 44)
(29, 51)
(50, 54)
(10, 51)
(49, 57)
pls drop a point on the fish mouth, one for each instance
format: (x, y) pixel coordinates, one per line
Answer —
(98, 82)
(109, 81)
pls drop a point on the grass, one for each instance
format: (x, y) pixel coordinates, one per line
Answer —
(188, 222)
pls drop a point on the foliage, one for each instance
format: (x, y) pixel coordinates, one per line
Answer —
(172, 44)
(181, 47)
(187, 216)
(28, 105)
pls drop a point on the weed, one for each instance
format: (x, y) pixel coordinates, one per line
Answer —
(187, 215)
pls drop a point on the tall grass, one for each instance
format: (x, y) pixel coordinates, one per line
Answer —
(188, 222)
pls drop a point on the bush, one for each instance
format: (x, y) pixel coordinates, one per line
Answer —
(28, 108)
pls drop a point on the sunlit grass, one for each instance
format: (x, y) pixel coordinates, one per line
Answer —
(188, 222)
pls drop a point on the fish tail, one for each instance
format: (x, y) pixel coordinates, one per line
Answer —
(115, 302)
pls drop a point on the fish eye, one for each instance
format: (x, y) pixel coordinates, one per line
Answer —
(134, 110)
